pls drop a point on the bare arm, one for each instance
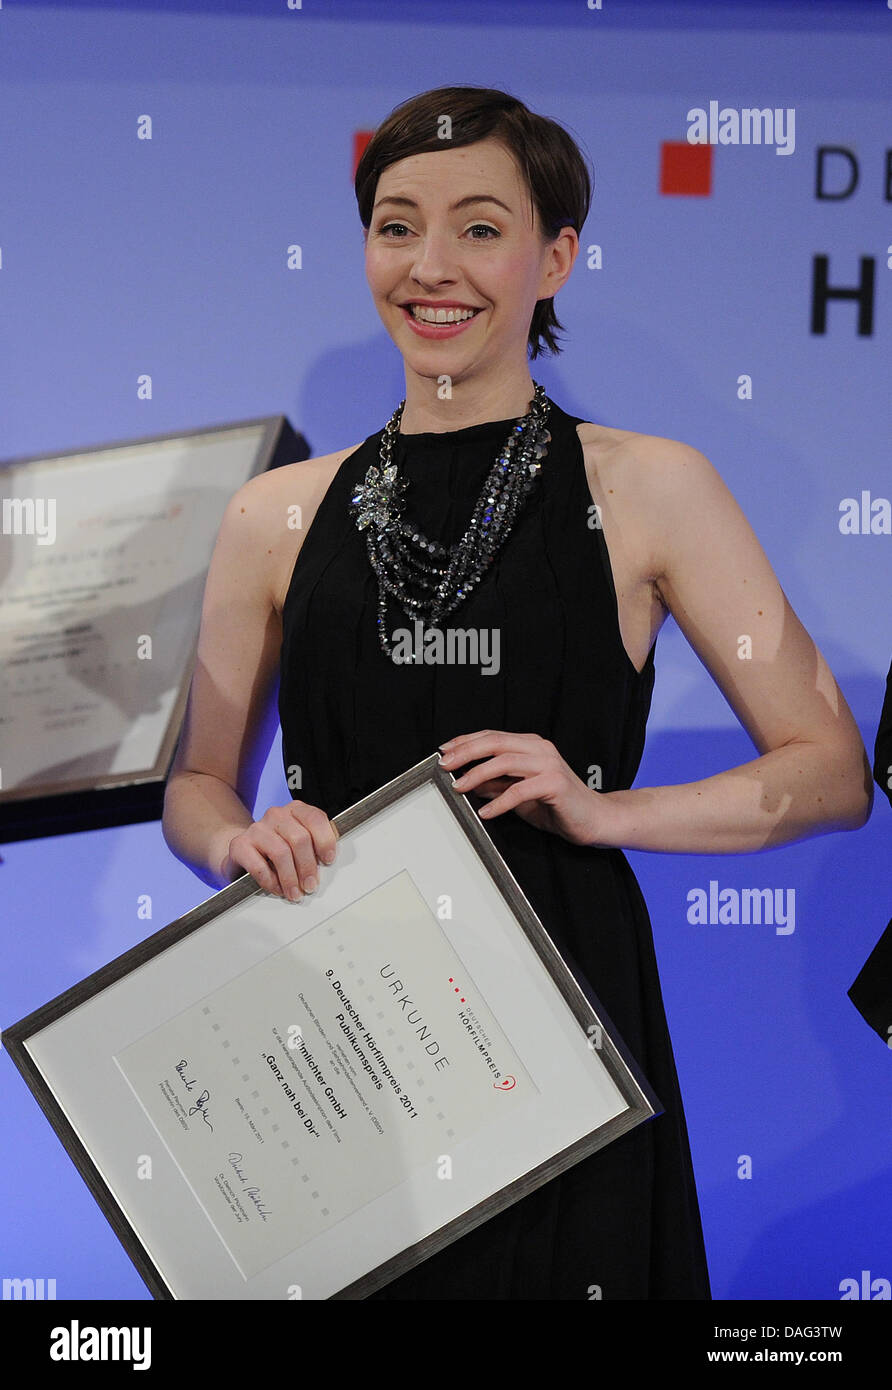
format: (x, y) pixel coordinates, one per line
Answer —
(230, 716)
(813, 775)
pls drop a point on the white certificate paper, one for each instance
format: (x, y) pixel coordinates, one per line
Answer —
(366, 1036)
(99, 599)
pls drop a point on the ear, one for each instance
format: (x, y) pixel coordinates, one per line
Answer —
(559, 261)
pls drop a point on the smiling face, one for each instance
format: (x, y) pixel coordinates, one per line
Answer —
(453, 230)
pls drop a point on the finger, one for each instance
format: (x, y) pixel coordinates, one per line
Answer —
(451, 743)
(289, 846)
(466, 744)
(486, 741)
(253, 862)
(324, 834)
(517, 795)
(299, 837)
(514, 764)
(493, 787)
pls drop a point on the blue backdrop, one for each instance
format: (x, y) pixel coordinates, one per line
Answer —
(122, 256)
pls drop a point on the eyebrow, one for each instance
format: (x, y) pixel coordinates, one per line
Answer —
(462, 202)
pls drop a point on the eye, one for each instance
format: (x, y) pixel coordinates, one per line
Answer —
(401, 226)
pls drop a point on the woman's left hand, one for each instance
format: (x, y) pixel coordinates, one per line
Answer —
(526, 774)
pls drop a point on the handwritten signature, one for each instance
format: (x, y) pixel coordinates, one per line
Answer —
(200, 1106)
(181, 1068)
(252, 1192)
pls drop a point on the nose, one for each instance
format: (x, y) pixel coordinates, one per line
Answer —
(434, 259)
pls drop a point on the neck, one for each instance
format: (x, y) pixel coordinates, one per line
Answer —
(470, 404)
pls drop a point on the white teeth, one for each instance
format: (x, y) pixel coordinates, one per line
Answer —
(428, 314)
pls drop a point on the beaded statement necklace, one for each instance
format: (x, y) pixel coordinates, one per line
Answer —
(398, 550)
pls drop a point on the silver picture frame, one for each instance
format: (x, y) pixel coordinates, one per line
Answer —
(522, 1069)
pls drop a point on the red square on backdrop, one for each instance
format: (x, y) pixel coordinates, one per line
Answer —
(685, 168)
(360, 139)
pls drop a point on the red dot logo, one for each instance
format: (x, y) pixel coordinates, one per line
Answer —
(456, 989)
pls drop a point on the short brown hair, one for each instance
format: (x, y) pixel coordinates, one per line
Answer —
(553, 168)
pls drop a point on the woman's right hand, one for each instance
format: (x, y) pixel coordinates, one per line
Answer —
(281, 851)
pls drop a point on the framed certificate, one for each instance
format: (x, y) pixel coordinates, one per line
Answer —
(102, 571)
(275, 1100)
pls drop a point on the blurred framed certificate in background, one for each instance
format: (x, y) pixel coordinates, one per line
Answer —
(275, 1100)
(103, 562)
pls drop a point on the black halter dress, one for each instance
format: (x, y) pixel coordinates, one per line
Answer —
(624, 1223)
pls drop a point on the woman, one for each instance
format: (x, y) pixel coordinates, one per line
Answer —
(472, 207)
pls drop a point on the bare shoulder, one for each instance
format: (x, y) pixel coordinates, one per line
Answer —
(633, 458)
(278, 508)
(639, 480)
